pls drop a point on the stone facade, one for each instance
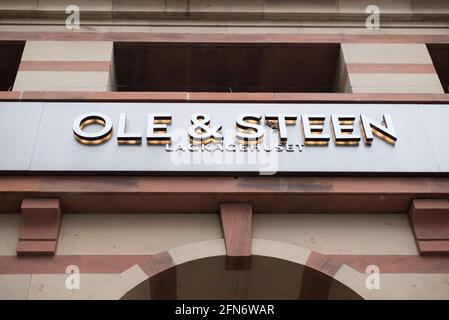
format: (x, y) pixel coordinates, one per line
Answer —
(132, 255)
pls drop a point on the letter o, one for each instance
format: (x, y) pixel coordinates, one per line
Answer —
(92, 118)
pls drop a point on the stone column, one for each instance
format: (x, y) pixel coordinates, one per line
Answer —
(388, 68)
(66, 66)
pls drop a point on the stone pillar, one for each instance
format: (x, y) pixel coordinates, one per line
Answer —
(388, 68)
(66, 66)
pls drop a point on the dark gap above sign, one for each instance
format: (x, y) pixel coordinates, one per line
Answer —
(226, 67)
(10, 55)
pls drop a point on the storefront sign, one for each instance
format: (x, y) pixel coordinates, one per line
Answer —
(249, 129)
(192, 138)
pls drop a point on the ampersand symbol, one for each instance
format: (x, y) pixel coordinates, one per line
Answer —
(201, 132)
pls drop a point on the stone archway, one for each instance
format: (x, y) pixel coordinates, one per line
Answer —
(279, 271)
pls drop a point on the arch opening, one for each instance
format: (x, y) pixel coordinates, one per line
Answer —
(269, 279)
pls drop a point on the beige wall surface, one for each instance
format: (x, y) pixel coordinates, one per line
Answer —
(50, 55)
(50, 286)
(233, 16)
(108, 234)
(62, 81)
(9, 233)
(133, 234)
(328, 8)
(149, 234)
(67, 51)
(415, 286)
(339, 234)
(406, 56)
